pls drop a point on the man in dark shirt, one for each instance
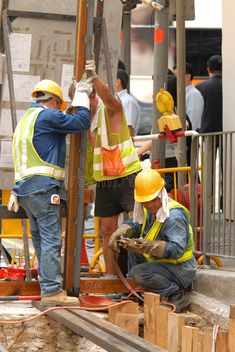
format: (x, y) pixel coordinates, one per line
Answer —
(211, 90)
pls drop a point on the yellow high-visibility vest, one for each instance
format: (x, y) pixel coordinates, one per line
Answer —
(155, 229)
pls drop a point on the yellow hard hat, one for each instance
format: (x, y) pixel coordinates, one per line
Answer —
(164, 102)
(148, 184)
(48, 86)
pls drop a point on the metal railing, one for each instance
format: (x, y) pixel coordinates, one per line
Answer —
(214, 209)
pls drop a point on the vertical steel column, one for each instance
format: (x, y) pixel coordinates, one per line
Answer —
(207, 196)
(180, 60)
(161, 30)
(9, 68)
(126, 39)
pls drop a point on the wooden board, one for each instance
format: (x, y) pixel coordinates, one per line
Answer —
(151, 302)
(125, 307)
(231, 335)
(162, 326)
(188, 332)
(207, 340)
(175, 324)
(129, 322)
(222, 341)
(88, 285)
(198, 341)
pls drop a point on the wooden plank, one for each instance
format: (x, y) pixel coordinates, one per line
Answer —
(19, 288)
(74, 157)
(101, 285)
(151, 302)
(126, 307)
(175, 323)
(129, 322)
(188, 332)
(104, 325)
(231, 335)
(88, 330)
(222, 341)
(162, 326)
(198, 341)
(207, 340)
(88, 285)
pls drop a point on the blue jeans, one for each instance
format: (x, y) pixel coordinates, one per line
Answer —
(162, 278)
(46, 237)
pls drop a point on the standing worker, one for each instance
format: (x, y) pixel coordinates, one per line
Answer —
(130, 104)
(211, 90)
(39, 148)
(114, 174)
(160, 241)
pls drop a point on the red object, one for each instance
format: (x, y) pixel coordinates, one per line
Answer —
(13, 272)
(159, 35)
(84, 258)
(171, 136)
(95, 302)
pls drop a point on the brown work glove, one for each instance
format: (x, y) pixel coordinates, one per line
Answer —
(142, 245)
(123, 231)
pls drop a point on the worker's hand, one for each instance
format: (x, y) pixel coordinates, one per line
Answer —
(154, 4)
(13, 204)
(142, 245)
(90, 70)
(83, 90)
(123, 231)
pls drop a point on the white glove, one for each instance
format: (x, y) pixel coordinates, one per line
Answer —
(90, 70)
(154, 4)
(83, 90)
(13, 204)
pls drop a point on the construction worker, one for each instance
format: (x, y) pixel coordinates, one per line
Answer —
(39, 148)
(159, 240)
(114, 185)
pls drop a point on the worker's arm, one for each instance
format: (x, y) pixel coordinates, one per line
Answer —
(132, 132)
(144, 148)
(112, 103)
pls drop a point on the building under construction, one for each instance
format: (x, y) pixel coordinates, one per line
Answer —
(53, 40)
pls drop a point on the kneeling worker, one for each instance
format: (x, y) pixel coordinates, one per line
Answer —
(159, 240)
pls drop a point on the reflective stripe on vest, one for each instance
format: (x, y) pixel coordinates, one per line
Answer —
(26, 160)
(154, 231)
(128, 153)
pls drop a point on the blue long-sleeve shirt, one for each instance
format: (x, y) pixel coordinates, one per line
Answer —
(49, 140)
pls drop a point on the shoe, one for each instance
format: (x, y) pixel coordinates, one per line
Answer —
(180, 299)
(60, 299)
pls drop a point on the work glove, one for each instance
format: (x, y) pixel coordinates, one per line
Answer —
(123, 231)
(90, 71)
(13, 204)
(83, 90)
(142, 245)
(154, 4)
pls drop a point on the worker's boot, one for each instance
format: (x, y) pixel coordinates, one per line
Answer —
(60, 299)
(180, 299)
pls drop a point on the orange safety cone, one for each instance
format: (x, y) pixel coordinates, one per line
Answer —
(84, 257)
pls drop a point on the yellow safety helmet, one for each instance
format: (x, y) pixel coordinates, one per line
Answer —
(148, 184)
(48, 86)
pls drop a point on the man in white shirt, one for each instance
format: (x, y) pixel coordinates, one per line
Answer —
(194, 99)
(130, 104)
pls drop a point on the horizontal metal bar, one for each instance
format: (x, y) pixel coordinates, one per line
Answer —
(41, 15)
